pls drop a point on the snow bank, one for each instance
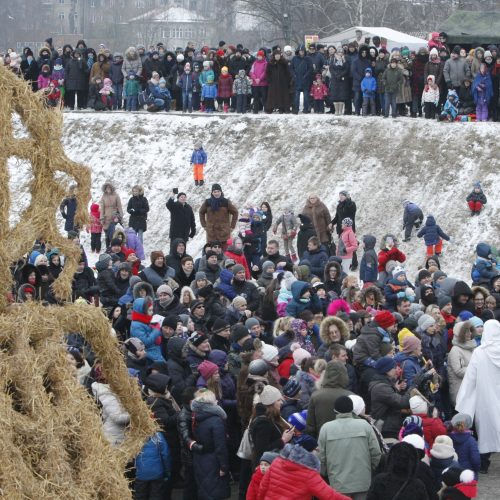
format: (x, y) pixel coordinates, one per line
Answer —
(283, 158)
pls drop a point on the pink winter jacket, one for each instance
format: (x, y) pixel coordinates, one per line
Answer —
(350, 242)
(258, 72)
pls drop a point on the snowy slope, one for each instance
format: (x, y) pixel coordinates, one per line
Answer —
(283, 158)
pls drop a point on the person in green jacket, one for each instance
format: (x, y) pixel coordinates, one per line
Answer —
(349, 451)
(392, 80)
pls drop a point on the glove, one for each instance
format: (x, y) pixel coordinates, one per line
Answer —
(400, 295)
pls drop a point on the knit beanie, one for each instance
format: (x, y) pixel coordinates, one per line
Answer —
(476, 322)
(411, 344)
(418, 405)
(344, 404)
(291, 388)
(105, 258)
(269, 395)
(164, 289)
(462, 418)
(197, 338)
(237, 268)
(251, 322)
(422, 274)
(269, 352)
(133, 280)
(133, 344)
(465, 315)
(415, 440)
(443, 301)
(425, 321)
(404, 332)
(239, 301)
(238, 332)
(443, 447)
(437, 275)
(200, 275)
(207, 369)
(358, 404)
(385, 319)
(220, 325)
(298, 420)
(299, 354)
(385, 364)
(216, 187)
(269, 457)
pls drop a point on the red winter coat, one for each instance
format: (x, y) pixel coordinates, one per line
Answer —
(253, 487)
(95, 219)
(285, 365)
(385, 255)
(225, 89)
(319, 91)
(135, 265)
(293, 479)
(433, 427)
(239, 259)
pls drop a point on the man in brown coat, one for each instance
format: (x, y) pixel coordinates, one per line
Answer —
(218, 216)
(317, 211)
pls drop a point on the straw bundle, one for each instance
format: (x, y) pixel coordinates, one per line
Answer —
(52, 444)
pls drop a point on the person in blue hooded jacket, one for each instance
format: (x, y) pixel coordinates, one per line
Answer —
(302, 69)
(485, 266)
(369, 90)
(358, 68)
(412, 217)
(368, 268)
(303, 297)
(153, 466)
(142, 313)
(433, 236)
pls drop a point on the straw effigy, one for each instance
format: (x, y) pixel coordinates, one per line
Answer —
(52, 444)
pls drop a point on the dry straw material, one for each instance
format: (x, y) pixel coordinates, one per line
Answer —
(51, 440)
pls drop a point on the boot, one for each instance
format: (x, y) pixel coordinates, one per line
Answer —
(196, 183)
(225, 108)
(202, 107)
(202, 182)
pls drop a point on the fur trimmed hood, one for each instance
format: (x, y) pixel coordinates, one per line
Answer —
(295, 453)
(379, 298)
(106, 185)
(143, 285)
(325, 325)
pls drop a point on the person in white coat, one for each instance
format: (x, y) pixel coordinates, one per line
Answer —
(114, 417)
(479, 394)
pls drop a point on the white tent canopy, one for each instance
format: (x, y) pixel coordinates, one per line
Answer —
(390, 38)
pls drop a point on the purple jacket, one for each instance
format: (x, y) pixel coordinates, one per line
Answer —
(134, 243)
(258, 71)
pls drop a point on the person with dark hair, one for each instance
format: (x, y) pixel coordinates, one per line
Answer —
(399, 480)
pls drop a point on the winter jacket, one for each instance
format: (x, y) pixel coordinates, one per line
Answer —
(76, 75)
(432, 427)
(317, 260)
(295, 306)
(220, 222)
(473, 196)
(186, 83)
(358, 68)
(367, 348)
(386, 405)
(430, 95)
(132, 62)
(109, 204)
(318, 91)
(288, 223)
(225, 86)
(115, 72)
(297, 470)
(182, 222)
(458, 360)
(84, 283)
(432, 233)
(108, 290)
(279, 79)
(340, 88)
(209, 430)
(131, 88)
(386, 486)
(410, 366)
(242, 85)
(387, 254)
(467, 450)
(347, 244)
(369, 87)
(198, 157)
(153, 461)
(209, 91)
(368, 267)
(395, 290)
(114, 417)
(320, 410)
(258, 72)
(100, 69)
(178, 368)
(349, 452)
(205, 75)
(434, 347)
(138, 208)
(461, 288)
(140, 328)
(455, 71)
(392, 79)
(320, 217)
(482, 88)
(265, 435)
(68, 211)
(302, 70)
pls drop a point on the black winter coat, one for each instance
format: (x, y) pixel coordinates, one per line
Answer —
(166, 417)
(84, 283)
(385, 486)
(340, 83)
(303, 72)
(115, 72)
(182, 223)
(68, 211)
(178, 368)
(138, 208)
(305, 232)
(184, 420)
(76, 75)
(278, 78)
(30, 73)
(265, 435)
(346, 208)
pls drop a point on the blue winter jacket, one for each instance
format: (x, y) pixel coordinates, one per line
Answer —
(317, 260)
(410, 366)
(484, 267)
(186, 83)
(295, 307)
(467, 450)
(368, 267)
(302, 69)
(144, 332)
(358, 68)
(154, 461)
(432, 233)
(199, 157)
(369, 86)
(410, 209)
(209, 91)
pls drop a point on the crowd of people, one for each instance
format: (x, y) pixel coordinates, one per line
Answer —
(363, 78)
(276, 359)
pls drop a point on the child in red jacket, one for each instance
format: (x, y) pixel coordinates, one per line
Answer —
(318, 92)
(265, 462)
(95, 228)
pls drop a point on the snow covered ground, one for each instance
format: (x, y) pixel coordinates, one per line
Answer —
(283, 158)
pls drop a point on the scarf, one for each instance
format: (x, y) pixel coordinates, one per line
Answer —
(215, 203)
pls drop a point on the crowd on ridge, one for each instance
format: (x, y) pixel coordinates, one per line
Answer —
(277, 359)
(363, 78)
